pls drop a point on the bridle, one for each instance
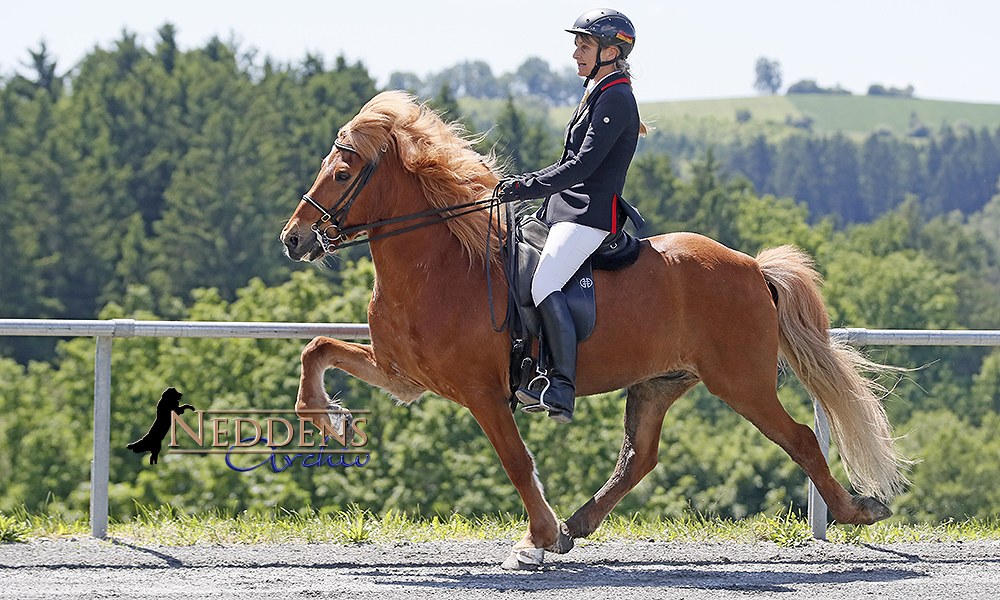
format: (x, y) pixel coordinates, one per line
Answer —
(334, 217)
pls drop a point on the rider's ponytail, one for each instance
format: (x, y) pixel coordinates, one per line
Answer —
(622, 65)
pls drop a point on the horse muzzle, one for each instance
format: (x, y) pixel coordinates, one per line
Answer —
(302, 245)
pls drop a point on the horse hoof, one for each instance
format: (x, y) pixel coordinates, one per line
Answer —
(340, 419)
(870, 510)
(564, 543)
(524, 559)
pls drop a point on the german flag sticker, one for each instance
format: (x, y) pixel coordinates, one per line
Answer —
(624, 37)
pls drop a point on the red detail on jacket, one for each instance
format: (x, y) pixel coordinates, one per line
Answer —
(615, 82)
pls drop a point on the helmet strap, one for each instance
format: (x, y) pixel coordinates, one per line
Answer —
(600, 63)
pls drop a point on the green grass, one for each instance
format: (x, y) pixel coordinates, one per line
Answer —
(857, 116)
(864, 114)
(168, 526)
(854, 115)
(762, 108)
(13, 529)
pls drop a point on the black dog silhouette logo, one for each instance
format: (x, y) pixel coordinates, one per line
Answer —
(170, 402)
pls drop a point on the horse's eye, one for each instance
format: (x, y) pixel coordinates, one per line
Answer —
(343, 175)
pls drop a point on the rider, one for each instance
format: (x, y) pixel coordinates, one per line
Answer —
(582, 191)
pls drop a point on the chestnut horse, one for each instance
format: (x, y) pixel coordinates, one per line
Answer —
(689, 310)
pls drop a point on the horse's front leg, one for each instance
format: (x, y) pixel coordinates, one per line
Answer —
(357, 359)
(544, 532)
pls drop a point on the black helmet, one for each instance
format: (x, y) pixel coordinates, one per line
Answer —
(610, 27)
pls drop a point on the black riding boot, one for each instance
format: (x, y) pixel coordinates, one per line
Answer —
(559, 397)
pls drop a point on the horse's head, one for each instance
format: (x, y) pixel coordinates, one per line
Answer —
(320, 221)
(427, 165)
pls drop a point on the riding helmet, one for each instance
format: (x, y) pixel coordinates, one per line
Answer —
(610, 27)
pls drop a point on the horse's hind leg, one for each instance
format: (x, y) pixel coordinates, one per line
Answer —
(645, 407)
(357, 359)
(758, 403)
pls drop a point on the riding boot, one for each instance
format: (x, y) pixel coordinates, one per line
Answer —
(559, 397)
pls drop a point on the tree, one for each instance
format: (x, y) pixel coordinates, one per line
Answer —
(470, 78)
(840, 178)
(535, 78)
(768, 76)
(651, 187)
(878, 175)
(797, 172)
(526, 146)
(756, 162)
(880, 90)
(953, 480)
(445, 104)
(166, 50)
(410, 82)
(809, 86)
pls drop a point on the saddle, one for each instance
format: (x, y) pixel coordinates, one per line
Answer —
(521, 256)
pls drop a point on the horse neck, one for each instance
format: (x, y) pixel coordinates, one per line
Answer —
(423, 258)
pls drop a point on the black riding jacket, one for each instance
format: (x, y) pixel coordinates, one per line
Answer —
(585, 186)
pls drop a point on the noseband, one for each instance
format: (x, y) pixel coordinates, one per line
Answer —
(335, 217)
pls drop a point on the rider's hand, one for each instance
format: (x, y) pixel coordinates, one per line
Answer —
(509, 190)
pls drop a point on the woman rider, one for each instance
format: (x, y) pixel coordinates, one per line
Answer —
(582, 191)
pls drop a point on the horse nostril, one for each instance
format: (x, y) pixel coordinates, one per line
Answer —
(292, 241)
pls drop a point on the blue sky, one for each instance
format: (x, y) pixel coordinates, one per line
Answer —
(684, 50)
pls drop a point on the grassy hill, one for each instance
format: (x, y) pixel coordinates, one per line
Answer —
(858, 115)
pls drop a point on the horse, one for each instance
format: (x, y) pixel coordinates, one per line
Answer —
(688, 310)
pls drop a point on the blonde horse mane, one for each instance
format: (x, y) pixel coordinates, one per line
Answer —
(450, 171)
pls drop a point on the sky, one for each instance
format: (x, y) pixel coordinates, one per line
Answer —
(696, 49)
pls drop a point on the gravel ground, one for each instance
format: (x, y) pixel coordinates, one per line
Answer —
(86, 568)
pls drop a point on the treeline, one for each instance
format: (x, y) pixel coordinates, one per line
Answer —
(152, 183)
(169, 169)
(954, 169)
(476, 79)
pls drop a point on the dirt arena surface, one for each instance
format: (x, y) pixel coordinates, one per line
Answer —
(87, 568)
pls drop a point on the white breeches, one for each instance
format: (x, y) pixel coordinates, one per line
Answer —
(568, 245)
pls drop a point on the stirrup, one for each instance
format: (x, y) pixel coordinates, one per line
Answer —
(540, 405)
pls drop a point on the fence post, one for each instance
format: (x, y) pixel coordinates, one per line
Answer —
(102, 438)
(817, 506)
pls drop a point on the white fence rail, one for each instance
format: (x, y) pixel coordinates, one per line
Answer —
(107, 330)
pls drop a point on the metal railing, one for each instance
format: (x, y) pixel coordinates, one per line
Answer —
(107, 330)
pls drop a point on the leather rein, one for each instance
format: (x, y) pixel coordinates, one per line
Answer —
(334, 217)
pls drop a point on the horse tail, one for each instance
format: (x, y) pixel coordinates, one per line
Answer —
(831, 371)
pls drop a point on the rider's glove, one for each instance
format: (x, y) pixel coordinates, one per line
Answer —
(509, 190)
